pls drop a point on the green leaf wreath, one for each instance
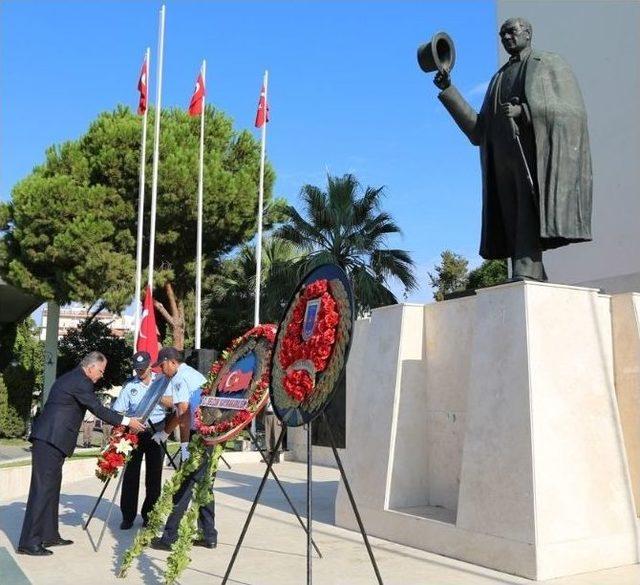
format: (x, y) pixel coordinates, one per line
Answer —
(178, 559)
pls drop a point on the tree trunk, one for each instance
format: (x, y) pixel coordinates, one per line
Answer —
(174, 316)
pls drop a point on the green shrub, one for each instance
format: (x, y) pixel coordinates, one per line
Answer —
(12, 425)
(22, 376)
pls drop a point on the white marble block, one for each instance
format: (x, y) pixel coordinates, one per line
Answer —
(625, 313)
(487, 429)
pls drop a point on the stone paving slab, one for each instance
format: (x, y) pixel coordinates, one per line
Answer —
(274, 550)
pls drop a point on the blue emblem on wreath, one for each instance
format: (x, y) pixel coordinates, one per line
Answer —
(310, 318)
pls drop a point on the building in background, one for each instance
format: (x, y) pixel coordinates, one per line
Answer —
(72, 315)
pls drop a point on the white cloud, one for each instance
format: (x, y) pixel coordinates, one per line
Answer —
(479, 89)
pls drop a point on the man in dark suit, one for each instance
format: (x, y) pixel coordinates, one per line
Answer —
(54, 437)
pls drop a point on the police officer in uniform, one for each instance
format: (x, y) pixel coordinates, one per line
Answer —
(130, 397)
(186, 385)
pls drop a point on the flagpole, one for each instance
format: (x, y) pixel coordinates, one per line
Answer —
(256, 310)
(200, 205)
(143, 160)
(156, 149)
(256, 314)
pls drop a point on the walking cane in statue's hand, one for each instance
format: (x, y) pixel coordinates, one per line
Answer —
(516, 137)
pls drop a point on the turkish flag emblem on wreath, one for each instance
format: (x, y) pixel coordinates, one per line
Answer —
(235, 381)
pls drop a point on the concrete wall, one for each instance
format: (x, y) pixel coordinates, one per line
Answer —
(600, 40)
(487, 429)
(625, 316)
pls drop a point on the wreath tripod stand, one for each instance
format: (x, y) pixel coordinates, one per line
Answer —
(309, 528)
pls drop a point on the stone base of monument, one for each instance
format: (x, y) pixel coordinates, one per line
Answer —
(487, 428)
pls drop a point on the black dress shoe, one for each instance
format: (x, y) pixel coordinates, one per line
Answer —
(57, 542)
(159, 544)
(37, 550)
(126, 524)
(205, 543)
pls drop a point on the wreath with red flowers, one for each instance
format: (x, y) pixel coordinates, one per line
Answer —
(116, 454)
(217, 425)
(306, 367)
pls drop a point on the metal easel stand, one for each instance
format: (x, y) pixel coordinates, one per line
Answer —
(253, 507)
(309, 504)
(309, 526)
(254, 439)
(95, 507)
(113, 501)
(99, 499)
(352, 499)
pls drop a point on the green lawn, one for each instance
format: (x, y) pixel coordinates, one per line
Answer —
(172, 447)
(14, 442)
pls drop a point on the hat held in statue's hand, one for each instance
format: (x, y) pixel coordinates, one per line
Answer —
(166, 354)
(438, 54)
(141, 360)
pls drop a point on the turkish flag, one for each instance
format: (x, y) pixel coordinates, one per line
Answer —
(148, 334)
(195, 106)
(262, 114)
(235, 381)
(143, 88)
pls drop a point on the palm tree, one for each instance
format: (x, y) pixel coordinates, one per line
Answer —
(229, 304)
(345, 226)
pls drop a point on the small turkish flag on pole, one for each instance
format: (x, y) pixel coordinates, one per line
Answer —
(262, 114)
(148, 335)
(195, 106)
(143, 88)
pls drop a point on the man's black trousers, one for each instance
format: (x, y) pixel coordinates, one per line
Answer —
(153, 455)
(181, 499)
(41, 516)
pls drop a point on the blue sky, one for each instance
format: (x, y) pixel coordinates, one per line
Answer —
(346, 93)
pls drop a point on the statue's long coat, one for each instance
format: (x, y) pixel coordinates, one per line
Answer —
(562, 165)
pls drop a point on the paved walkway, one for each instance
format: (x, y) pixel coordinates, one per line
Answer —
(274, 550)
(14, 453)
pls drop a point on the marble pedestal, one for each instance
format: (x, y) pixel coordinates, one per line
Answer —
(487, 429)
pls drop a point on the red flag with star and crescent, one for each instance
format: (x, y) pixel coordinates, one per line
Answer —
(143, 88)
(148, 334)
(195, 106)
(235, 381)
(262, 115)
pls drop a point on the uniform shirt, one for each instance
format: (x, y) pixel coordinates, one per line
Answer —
(185, 386)
(132, 394)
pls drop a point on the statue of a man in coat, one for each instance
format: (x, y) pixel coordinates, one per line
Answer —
(534, 152)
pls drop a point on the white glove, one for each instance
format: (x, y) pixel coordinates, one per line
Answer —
(160, 437)
(184, 451)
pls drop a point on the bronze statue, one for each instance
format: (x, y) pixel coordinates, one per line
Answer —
(534, 149)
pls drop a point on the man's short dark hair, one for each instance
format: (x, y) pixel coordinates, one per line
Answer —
(169, 353)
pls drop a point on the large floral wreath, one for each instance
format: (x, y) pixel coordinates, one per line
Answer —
(117, 453)
(299, 361)
(215, 428)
